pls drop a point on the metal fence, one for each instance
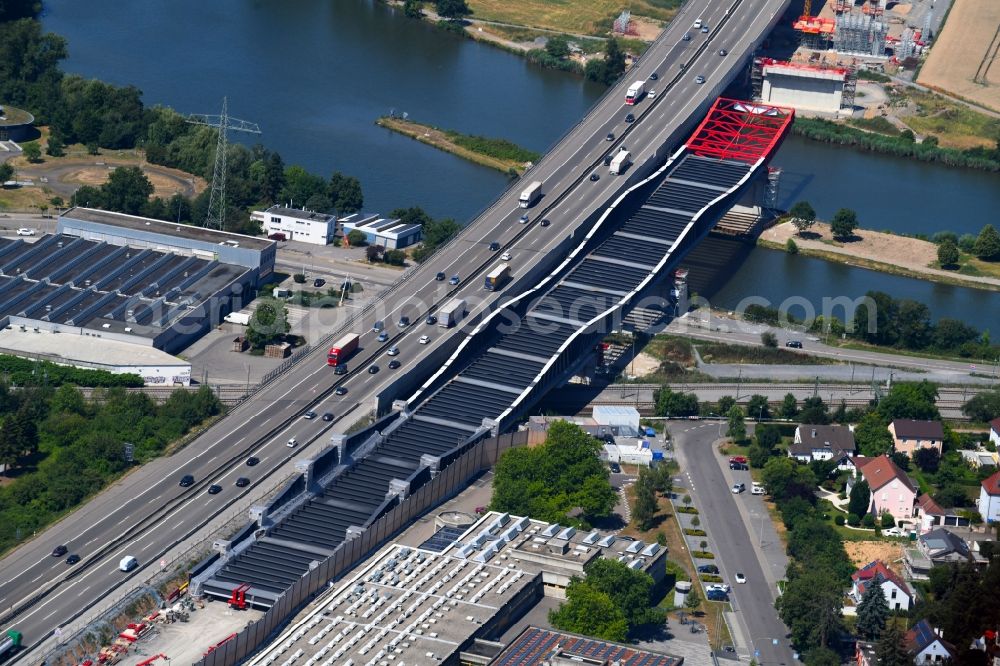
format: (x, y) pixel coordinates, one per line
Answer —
(448, 482)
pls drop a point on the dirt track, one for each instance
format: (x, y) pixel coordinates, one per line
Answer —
(65, 175)
(965, 58)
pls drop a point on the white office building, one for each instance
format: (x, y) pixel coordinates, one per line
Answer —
(294, 224)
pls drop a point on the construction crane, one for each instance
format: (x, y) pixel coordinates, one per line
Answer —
(216, 216)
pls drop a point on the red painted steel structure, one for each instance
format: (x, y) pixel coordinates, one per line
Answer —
(743, 131)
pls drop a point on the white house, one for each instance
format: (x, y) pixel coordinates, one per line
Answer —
(304, 226)
(989, 498)
(926, 645)
(822, 442)
(894, 588)
(995, 432)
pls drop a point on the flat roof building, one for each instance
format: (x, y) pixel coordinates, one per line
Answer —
(803, 87)
(304, 226)
(390, 234)
(544, 647)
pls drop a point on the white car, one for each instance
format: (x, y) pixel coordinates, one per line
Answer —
(699, 79)
(393, 351)
(740, 578)
(291, 443)
(424, 339)
(651, 94)
(25, 231)
(721, 587)
(697, 24)
(505, 256)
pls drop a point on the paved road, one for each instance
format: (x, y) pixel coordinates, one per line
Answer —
(146, 513)
(737, 542)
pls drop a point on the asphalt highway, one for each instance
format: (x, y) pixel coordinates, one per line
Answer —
(147, 513)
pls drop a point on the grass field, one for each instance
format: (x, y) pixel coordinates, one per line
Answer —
(954, 124)
(585, 17)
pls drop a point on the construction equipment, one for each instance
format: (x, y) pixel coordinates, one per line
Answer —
(238, 599)
(147, 662)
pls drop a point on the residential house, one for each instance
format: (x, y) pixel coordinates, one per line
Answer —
(927, 646)
(892, 490)
(894, 588)
(822, 442)
(995, 433)
(909, 435)
(989, 498)
(931, 515)
(937, 547)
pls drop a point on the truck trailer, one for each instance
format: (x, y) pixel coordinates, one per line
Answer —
(620, 162)
(9, 643)
(530, 194)
(497, 277)
(451, 313)
(342, 348)
(635, 92)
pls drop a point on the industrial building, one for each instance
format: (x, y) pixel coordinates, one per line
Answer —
(544, 647)
(129, 279)
(448, 599)
(157, 368)
(390, 234)
(803, 87)
(304, 226)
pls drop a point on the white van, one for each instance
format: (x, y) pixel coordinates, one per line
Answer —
(128, 563)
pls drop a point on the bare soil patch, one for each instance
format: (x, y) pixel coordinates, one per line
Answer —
(964, 59)
(863, 552)
(645, 364)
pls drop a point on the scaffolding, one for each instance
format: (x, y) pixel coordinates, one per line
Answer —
(771, 188)
(860, 34)
(756, 78)
(623, 24)
(906, 46)
(850, 88)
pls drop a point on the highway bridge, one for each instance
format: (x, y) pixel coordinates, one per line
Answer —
(147, 515)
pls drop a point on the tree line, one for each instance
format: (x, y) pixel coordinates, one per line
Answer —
(61, 448)
(99, 115)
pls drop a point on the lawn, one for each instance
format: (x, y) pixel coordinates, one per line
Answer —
(877, 124)
(585, 17)
(955, 125)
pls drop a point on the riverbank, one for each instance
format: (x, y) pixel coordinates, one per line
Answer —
(498, 154)
(887, 253)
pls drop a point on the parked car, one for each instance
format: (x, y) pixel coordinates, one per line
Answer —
(757, 489)
(738, 466)
(739, 488)
(708, 569)
(717, 595)
(59, 551)
(319, 282)
(25, 231)
(186, 480)
(717, 587)
(794, 344)
(616, 468)
(277, 237)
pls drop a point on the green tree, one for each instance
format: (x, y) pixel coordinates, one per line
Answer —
(928, 460)
(947, 254)
(843, 224)
(811, 607)
(769, 339)
(789, 407)
(127, 190)
(268, 323)
(55, 146)
(983, 407)
(814, 411)
(821, 656)
(629, 590)
(692, 600)
(614, 61)
(910, 400)
(891, 650)
(6, 172)
(452, 9)
(590, 612)
(860, 499)
(914, 322)
(670, 403)
(737, 427)
(557, 46)
(873, 611)
(785, 479)
(758, 407)
(726, 404)
(987, 245)
(413, 9)
(872, 436)
(645, 501)
(803, 216)
(356, 238)
(345, 193)
(33, 152)
(791, 247)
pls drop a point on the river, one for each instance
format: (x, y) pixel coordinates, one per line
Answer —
(315, 75)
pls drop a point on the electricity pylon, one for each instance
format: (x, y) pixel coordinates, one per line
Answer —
(216, 216)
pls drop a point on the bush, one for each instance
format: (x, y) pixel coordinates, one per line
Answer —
(853, 520)
(868, 520)
(791, 247)
(888, 521)
(769, 339)
(299, 278)
(710, 578)
(702, 555)
(687, 509)
(839, 520)
(691, 532)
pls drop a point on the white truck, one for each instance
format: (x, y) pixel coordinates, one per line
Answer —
(451, 313)
(620, 162)
(530, 194)
(634, 93)
(238, 318)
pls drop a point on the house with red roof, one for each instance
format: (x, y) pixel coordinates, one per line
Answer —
(932, 515)
(927, 645)
(989, 498)
(892, 490)
(894, 588)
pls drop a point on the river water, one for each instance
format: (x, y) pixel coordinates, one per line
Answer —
(316, 74)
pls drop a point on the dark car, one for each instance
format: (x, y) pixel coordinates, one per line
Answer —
(738, 466)
(654, 76)
(723, 52)
(616, 468)
(372, 369)
(340, 369)
(454, 279)
(73, 559)
(341, 390)
(319, 282)
(277, 237)
(594, 177)
(214, 489)
(545, 223)
(494, 246)
(795, 344)
(403, 322)
(328, 416)
(252, 460)
(717, 595)
(607, 160)
(708, 569)
(310, 415)
(59, 551)
(686, 37)
(610, 136)
(186, 480)
(630, 118)
(393, 364)
(439, 277)
(242, 482)
(431, 320)
(383, 336)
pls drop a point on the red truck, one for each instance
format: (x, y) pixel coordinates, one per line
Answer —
(341, 349)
